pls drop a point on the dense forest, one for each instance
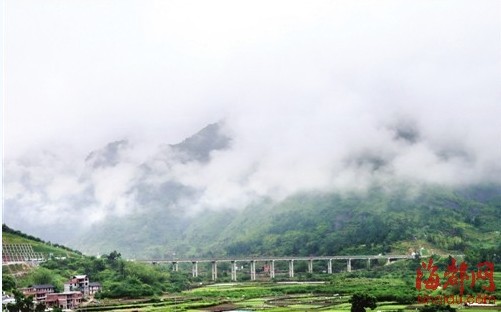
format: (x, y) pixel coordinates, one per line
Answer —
(431, 220)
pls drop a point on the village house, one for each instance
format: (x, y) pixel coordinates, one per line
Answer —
(78, 283)
(94, 287)
(75, 290)
(38, 292)
(65, 300)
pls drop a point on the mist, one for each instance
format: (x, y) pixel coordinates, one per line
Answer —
(322, 97)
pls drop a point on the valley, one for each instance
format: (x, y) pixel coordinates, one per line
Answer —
(173, 286)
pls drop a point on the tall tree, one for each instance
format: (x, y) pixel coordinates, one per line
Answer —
(361, 301)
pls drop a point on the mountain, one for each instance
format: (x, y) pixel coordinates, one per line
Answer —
(438, 220)
(199, 146)
(158, 217)
(157, 208)
(405, 218)
(109, 156)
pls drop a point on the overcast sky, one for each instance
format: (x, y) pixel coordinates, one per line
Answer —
(314, 93)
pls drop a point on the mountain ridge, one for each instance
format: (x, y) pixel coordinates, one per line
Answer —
(328, 224)
(151, 218)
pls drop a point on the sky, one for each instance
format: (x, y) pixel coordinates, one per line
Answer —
(323, 95)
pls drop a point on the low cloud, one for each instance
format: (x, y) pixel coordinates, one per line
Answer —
(332, 99)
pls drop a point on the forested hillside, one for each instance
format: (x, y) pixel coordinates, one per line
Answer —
(431, 220)
(164, 213)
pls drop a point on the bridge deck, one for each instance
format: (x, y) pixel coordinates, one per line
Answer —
(270, 258)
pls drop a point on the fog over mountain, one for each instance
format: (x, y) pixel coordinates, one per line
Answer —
(119, 109)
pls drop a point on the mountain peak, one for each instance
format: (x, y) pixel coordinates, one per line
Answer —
(108, 156)
(199, 146)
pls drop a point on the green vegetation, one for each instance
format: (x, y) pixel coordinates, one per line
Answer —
(8, 282)
(434, 222)
(134, 286)
(11, 236)
(430, 219)
(378, 222)
(361, 301)
(119, 278)
(24, 304)
(437, 308)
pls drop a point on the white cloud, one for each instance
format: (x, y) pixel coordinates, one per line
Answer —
(313, 95)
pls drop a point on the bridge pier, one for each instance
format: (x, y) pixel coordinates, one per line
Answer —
(253, 270)
(271, 261)
(214, 270)
(194, 269)
(234, 271)
(272, 269)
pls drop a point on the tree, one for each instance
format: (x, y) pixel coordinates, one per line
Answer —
(361, 301)
(40, 307)
(24, 304)
(114, 255)
(115, 260)
(43, 276)
(8, 283)
(437, 308)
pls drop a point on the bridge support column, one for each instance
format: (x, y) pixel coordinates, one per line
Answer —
(368, 263)
(234, 271)
(388, 261)
(175, 266)
(291, 268)
(348, 265)
(253, 270)
(272, 269)
(194, 269)
(310, 266)
(214, 270)
(329, 267)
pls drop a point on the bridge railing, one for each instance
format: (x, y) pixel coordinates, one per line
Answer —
(276, 258)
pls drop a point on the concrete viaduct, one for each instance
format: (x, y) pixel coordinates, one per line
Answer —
(271, 260)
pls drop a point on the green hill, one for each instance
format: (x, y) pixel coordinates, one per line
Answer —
(47, 249)
(440, 220)
(119, 278)
(18, 247)
(429, 219)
